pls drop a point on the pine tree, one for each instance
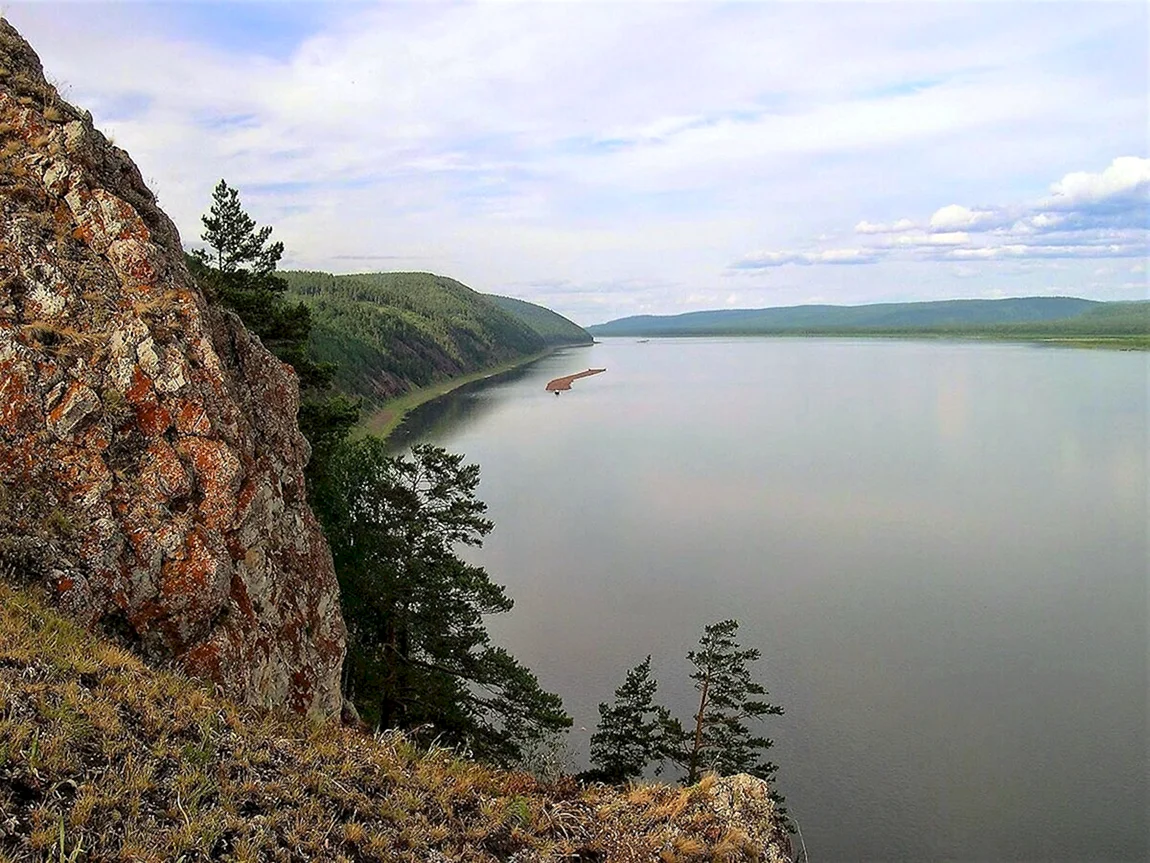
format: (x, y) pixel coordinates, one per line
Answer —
(728, 699)
(232, 235)
(631, 733)
(239, 274)
(419, 655)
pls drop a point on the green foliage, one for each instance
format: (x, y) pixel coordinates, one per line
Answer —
(326, 423)
(632, 731)
(551, 326)
(728, 697)
(393, 332)
(419, 656)
(240, 274)
(236, 244)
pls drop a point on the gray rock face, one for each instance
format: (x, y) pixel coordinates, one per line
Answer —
(147, 439)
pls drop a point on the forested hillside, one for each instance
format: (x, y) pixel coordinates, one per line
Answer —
(1024, 314)
(552, 326)
(393, 332)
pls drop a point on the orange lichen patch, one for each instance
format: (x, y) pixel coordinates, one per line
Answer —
(152, 417)
(142, 541)
(17, 407)
(78, 404)
(191, 417)
(204, 661)
(193, 577)
(164, 468)
(242, 598)
(82, 474)
(104, 218)
(217, 477)
(564, 383)
(134, 262)
(301, 690)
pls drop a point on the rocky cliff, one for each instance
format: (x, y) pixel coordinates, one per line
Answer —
(151, 467)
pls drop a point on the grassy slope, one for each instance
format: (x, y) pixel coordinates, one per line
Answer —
(552, 326)
(102, 758)
(391, 333)
(1041, 318)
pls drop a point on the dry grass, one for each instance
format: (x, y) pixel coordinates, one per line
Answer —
(59, 340)
(102, 758)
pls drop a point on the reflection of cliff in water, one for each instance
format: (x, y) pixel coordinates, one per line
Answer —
(435, 419)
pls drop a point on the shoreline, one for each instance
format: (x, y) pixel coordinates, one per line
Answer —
(1135, 342)
(386, 418)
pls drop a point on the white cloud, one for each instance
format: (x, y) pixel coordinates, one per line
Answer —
(955, 217)
(641, 147)
(865, 227)
(766, 260)
(1031, 233)
(1126, 177)
(1023, 250)
(950, 238)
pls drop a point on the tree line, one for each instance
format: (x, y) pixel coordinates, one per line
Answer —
(419, 655)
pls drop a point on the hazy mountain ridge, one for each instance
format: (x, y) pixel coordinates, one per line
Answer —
(1056, 313)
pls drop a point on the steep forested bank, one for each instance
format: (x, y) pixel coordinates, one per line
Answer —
(552, 326)
(390, 333)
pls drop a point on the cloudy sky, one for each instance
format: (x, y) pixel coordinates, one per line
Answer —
(634, 157)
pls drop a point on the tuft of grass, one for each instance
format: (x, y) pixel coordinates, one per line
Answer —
(103, 758)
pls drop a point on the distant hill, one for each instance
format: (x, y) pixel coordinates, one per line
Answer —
(552, 326)
(393, 332)
(880, 317)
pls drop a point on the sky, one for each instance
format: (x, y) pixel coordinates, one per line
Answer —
(611, 159)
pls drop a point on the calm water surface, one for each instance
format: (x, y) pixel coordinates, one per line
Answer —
(940, 548)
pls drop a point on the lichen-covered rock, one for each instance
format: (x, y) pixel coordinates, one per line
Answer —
(149, 450)
(745, 804)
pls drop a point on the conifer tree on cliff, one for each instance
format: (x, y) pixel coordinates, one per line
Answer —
(236, 244)
(239, 272)
(419, 656)
(632, 732)
(721, 739)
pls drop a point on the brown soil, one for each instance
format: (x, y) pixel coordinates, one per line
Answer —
(564, 383)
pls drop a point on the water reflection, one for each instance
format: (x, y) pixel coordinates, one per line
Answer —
(941, 550)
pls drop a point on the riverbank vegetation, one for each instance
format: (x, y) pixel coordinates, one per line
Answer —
(419, 657)
(636, 734)
(391, 333)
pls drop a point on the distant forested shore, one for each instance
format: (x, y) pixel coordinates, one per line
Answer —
(1060, 320)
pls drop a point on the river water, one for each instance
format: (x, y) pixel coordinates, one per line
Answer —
(940, 549)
